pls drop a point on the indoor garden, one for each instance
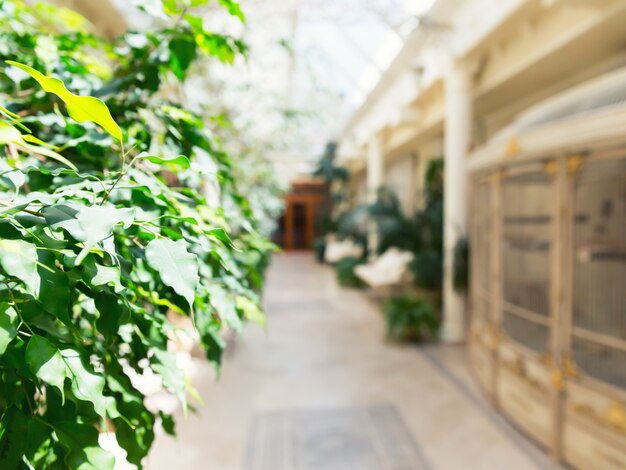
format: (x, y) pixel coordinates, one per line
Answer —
(312, 234)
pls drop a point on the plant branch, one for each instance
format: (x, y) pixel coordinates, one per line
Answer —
(8, 204)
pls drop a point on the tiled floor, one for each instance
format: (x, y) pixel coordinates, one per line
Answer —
(320, 389)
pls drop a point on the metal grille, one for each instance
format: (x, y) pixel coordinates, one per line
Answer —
(527, 224)
(484, 226)
(481, 251)
(599, 271)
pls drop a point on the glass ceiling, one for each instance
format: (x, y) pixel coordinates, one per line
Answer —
(311, 64)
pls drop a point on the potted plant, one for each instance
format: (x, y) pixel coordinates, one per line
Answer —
(409, 318)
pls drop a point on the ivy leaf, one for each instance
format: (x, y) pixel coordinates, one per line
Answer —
(19, 259)
(46, 362)
(80, 108)
(180, 160)
(85, 452)
(8, 326)
(177, 267)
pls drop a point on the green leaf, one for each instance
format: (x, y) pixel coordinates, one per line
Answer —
(107, 275)
(85, 452)
(182, 54)
(80, 108)
(61, 216)
(10, 135)
(46, 362)
(38, 437)
(224, 303)
(13, 427)
(209, 332)
(164, 364)
(90, 224)
(250, 309)
(233, 8)
(137, 438)
(87, 385)
(176, 266)
(8, 325)
(97, 222)
(7, 113)
(16, 177)
(19, 259)
(54, 292)
(221, 235)
(171, 7)
(168, 424)
(180, 160)
(111, 314)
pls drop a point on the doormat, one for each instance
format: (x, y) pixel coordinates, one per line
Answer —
(368, 438)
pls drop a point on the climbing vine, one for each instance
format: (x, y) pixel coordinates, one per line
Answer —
(118, 210)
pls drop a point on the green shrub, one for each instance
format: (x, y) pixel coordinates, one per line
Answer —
(409, 318)
(345, 272)
(109, 224)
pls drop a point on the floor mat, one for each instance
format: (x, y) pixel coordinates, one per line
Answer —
(368, 438)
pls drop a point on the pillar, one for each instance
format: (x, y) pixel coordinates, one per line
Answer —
(374, 182)
(458, 126)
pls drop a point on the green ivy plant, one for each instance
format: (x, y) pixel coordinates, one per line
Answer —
(117, 210)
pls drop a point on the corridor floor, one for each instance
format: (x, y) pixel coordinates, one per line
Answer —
(320, 389)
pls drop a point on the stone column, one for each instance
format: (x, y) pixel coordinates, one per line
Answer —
(374, 182)
(458, 127)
